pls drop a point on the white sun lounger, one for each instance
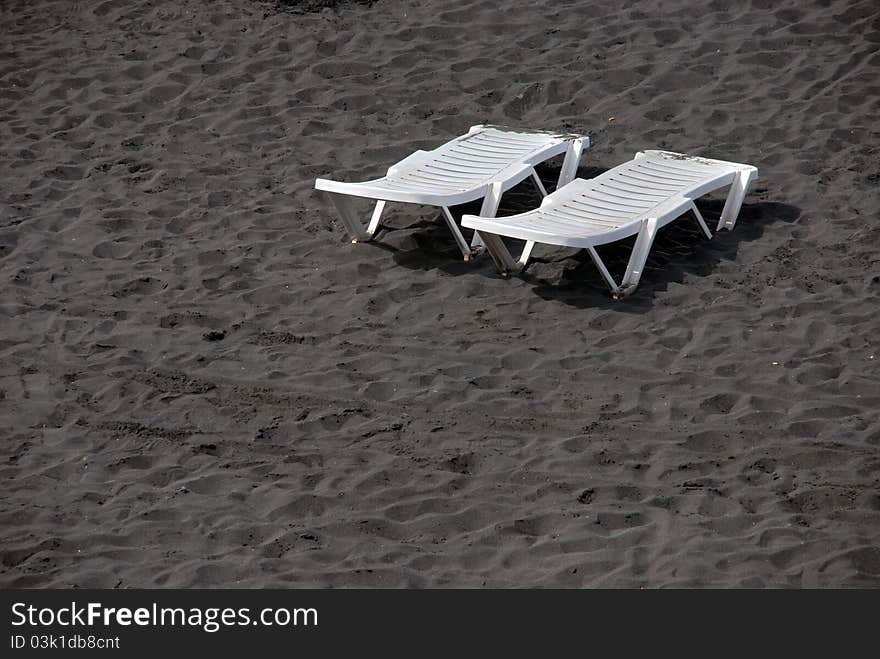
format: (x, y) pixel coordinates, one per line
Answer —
(637, 197)
(485, 163)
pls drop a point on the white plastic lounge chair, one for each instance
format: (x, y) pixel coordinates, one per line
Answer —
(485, 163)
(637, 197)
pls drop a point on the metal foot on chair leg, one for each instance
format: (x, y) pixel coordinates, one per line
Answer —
(623, 291)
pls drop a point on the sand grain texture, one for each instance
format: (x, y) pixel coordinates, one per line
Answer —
(203, 384)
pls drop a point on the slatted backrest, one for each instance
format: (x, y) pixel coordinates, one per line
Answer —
(631, 190)
(473, 159)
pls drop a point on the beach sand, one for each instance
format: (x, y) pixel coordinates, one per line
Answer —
(203, 383)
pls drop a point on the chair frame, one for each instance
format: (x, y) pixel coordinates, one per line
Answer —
(645, 226)
(489, 189)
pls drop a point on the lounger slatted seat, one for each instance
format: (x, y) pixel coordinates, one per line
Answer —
(635, 198)
(482, 164)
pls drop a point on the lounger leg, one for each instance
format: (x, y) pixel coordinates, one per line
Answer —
(571, 162)
(498, 251)
(526, 253)
(735, 198)
(530, 244)
(538, 183)
(638, 258)
(456, 233)
(374, 221)
(615, 289)
(347, 214)
(489, 209)
(701, 221)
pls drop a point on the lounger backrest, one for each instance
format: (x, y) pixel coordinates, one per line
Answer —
(472, 158)
(651, 179)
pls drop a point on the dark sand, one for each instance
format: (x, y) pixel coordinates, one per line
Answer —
(202, 383)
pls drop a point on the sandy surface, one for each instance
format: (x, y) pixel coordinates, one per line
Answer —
(202, 383)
